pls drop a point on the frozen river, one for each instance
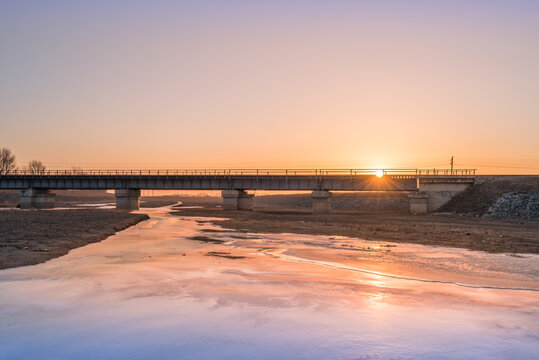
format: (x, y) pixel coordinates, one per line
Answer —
(153, 292)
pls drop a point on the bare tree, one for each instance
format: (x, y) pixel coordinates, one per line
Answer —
(7, 161)
(36, 167)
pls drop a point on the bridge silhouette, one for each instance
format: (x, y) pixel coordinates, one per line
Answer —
(429, 188)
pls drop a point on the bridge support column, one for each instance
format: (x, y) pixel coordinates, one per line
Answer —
(36, 198)
(127, 199)
(237, 200)
(321, 202)
(418, 203)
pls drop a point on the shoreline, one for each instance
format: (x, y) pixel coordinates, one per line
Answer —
(488, 235)
(34, 237)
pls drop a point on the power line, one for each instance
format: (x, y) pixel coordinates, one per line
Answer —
(505, 167)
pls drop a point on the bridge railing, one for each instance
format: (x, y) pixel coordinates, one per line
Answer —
(446, 172)
(245, 172)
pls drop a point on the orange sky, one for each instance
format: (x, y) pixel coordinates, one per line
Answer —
(291, 84)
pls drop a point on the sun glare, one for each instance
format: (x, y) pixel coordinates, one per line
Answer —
(379, 173)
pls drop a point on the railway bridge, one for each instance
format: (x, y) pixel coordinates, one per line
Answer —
(428, 188)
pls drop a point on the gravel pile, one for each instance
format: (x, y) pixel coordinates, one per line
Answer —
(477, 200)
(515, 206)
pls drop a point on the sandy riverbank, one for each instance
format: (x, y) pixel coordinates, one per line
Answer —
(32, 237)
(496, 236)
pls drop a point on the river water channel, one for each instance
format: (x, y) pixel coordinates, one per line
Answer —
(154, 292)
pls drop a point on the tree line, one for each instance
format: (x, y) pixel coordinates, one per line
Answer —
(8, 163)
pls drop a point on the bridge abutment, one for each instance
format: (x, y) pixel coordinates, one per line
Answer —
(36, 198)
(433, 193)
(321, 202)
(127, 199)
(237, 200)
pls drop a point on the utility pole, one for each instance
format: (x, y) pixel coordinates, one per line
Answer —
(451, 162)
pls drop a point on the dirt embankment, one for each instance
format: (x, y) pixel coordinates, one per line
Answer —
(32, 237)
(487, 189)
(339, 201)
(512, 236)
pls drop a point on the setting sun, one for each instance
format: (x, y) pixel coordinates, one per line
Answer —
(379, 173)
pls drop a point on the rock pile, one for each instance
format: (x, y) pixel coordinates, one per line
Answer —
(515, 206)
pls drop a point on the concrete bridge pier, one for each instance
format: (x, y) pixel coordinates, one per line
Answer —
(237, 200)
(127, 199)
(418, 203)
(36, 198)
(321, 202)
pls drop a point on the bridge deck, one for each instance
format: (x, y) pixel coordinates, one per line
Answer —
(333, 180)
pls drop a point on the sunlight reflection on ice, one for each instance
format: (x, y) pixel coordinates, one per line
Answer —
(151, 292)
